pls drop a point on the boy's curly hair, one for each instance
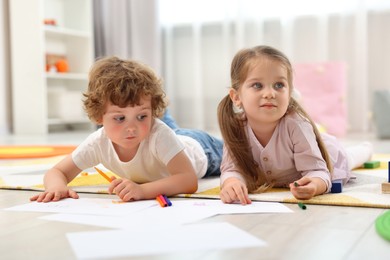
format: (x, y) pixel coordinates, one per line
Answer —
(123, 83)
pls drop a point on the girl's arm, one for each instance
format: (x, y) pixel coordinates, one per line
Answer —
(308, 187)
(56, 180)
(183, 179)
(233, 186)
(234, 190)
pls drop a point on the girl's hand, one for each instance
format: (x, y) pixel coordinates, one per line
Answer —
(234, 190)
(306, 188)
(126, 189)
(55, 195)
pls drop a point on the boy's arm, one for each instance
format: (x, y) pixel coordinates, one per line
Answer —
(62, 173)
(182, 179)
(56, 180)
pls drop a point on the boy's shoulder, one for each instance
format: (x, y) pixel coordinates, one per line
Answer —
(161, 135)
(158, 126)
(97, 137)
(160, 129)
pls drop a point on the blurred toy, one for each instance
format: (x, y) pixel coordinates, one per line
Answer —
(50, 22)
(62, 65)
(56, 63)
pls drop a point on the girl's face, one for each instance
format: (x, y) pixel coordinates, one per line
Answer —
(264, 95)
(127, 127)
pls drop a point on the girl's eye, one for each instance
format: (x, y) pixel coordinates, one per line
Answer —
(279, 85)
(119, 118)
(141, 117)
(257, 85)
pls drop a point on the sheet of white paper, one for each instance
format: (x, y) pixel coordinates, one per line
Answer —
(92, 206)
(150, 217)
(182, 212)
(221, 208)
(165, 239)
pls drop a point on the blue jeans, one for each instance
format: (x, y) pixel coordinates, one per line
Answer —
(212, 146)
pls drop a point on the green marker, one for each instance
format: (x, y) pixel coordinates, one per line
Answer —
(301, 205)
(372, 164)
(296, 184)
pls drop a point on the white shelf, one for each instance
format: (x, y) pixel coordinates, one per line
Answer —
(51, 30)
(44, 99)
(67, 75)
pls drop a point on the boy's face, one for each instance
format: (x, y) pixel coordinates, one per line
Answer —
(127, 127)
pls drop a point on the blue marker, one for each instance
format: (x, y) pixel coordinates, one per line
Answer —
(167, 200)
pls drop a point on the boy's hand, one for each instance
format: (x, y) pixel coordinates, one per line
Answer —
(126, 189)
(306, 188)
(234, 190)
(55, 195)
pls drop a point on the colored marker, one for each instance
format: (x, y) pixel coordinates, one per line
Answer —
(103, 174)
(296, 184)
(167, 200)
(388, 171)
(371, 164)
(161, 201)
(301, 205)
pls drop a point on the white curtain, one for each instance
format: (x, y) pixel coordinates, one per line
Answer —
(128, 29)
(190, 43)
(200, 38)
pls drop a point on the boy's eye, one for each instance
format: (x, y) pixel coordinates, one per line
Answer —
(257, 85)
(279, 85)
(119, 118)
(141, 117)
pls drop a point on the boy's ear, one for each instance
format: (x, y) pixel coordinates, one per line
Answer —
(99, 121)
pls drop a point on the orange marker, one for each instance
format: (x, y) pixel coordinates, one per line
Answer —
(161, 202)
(103, 174)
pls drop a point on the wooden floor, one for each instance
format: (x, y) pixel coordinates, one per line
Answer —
(319, 232)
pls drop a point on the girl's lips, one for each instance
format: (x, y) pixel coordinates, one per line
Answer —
(268, 105)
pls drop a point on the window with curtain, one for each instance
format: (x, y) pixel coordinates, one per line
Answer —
(200, 38)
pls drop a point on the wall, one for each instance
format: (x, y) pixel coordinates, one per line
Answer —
(5, 90)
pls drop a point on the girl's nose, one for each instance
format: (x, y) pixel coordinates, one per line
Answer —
(268, 92)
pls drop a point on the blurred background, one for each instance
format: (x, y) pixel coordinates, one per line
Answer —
(340, 50)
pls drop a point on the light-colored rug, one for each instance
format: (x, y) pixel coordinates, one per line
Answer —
(363, 191)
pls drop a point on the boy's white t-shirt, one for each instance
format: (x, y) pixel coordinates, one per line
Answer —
(151, 159)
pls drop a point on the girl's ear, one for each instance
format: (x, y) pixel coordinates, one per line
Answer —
(235, 97)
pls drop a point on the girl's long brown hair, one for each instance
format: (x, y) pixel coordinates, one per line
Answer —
(232, 125)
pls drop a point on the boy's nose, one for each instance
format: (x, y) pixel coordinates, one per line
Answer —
(131, 129)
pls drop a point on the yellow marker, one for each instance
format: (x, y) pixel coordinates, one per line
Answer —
(103, 174)
(118, 201)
